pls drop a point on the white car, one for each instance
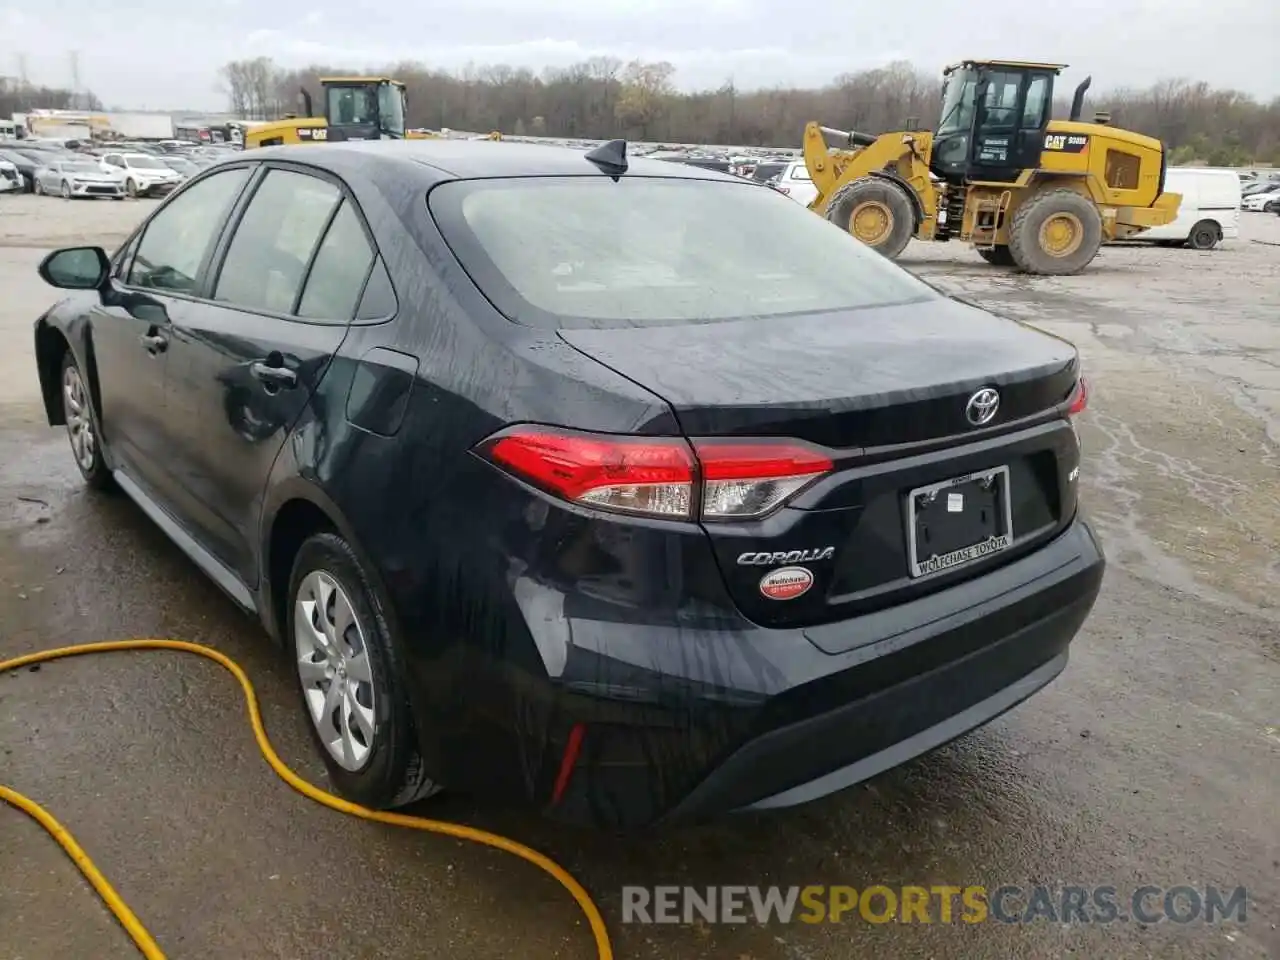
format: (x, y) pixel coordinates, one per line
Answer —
(72, 177)
(144, 175)
(10, 179)
(1267, 201)
(794, 181)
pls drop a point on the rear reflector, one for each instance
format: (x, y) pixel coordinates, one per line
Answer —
(1079, 398)
(659, 476)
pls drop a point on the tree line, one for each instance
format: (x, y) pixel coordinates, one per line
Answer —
(604, 97)
(19, 97)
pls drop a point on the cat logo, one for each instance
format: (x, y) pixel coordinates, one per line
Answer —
(313, 133)
(1064, 143)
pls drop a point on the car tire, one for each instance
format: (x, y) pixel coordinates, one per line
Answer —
(131, 188)
(1272, 206)
(36, 188)
(365, 730)
(66, 190)
(1204, 235)
(82, 425)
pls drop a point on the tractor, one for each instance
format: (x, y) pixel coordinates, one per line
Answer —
(355, 108)
(1025, 190)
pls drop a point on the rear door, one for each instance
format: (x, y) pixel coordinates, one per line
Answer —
(245, 364)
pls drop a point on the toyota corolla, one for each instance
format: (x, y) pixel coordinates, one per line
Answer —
(627, 490)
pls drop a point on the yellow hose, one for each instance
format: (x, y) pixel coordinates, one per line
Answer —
(129, 920)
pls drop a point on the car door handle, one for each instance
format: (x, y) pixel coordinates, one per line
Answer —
(273, 376)
(154, 342)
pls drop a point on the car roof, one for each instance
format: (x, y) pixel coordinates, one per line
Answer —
(436, 160)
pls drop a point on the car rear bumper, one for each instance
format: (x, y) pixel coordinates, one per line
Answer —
(788, 723)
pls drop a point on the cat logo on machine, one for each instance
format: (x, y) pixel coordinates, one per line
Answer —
(786, 583)
(313, 133)
(1066, 143)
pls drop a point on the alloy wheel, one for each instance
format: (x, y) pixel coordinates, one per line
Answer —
(75, 407)
(333, 665)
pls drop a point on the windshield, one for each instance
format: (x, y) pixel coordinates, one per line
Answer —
(146, 163)
(586, 251)
(957, 102)
(391, 109)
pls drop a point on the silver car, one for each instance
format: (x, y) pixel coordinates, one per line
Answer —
(78, 178)
(183, 165)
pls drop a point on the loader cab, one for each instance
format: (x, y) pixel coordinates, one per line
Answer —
(993, 119)
(363, 108)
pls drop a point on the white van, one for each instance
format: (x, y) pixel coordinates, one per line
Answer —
(1209, 211)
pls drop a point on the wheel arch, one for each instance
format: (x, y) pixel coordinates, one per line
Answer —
(297, 509)
(52, 344)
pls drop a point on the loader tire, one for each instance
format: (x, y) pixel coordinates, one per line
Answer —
(876, 211)
(997, 256)
(1055, 233)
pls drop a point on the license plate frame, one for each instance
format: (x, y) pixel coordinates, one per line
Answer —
(964, 556)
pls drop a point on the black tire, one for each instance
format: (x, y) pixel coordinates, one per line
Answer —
(36, 188)
(898, 215)
(1034, 214)
(131, 188)
(997, 256)
(1271, 206)
(393, 773)
(1204, 235)
(28, 184)
(66, 190)
(93, 468)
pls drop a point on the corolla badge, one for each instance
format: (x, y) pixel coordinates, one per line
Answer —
(982, 406)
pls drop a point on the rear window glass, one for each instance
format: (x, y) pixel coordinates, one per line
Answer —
(586, 251)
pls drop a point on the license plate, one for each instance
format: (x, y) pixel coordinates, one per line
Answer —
(958, 521)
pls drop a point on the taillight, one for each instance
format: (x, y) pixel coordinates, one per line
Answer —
(659, 476)
(1079, 398)
(750, 478)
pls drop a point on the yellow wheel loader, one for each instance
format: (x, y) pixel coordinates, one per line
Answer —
(1025, 190)
(355, 108)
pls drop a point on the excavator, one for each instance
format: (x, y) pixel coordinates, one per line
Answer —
(1025, 190)
(355, 108)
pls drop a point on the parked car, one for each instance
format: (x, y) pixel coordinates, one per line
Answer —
(184, 167)
(559, 487)
(79, 178)
(144, 175)
(1209, 211)
(25, 166)
(1267, 201)
(795, 182)
(10, 178)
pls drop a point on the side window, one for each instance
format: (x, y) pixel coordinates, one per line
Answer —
(1033, 112)
(1001, 101)
(114, 160)
(339, 270)
(268, 255)
(179, 236)
(379, 300)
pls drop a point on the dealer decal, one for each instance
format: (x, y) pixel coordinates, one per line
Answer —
(786, 583)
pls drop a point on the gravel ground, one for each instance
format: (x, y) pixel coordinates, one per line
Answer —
(1155, 758)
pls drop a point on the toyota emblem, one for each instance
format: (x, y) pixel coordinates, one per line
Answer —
(982, 406)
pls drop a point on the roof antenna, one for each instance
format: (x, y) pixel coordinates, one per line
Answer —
(610, 157)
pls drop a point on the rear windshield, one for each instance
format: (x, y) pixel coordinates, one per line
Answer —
(589, 252)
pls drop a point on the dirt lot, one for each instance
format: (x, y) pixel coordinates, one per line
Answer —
(1155, 759)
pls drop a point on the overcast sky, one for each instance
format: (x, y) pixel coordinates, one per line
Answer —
(161, 54)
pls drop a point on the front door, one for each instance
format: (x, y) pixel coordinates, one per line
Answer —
(151, 288)
(245, 365)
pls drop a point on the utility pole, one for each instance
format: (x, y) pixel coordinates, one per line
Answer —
(22, 70)
(75, 79)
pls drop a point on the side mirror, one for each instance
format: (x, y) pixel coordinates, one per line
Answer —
(76, 268)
